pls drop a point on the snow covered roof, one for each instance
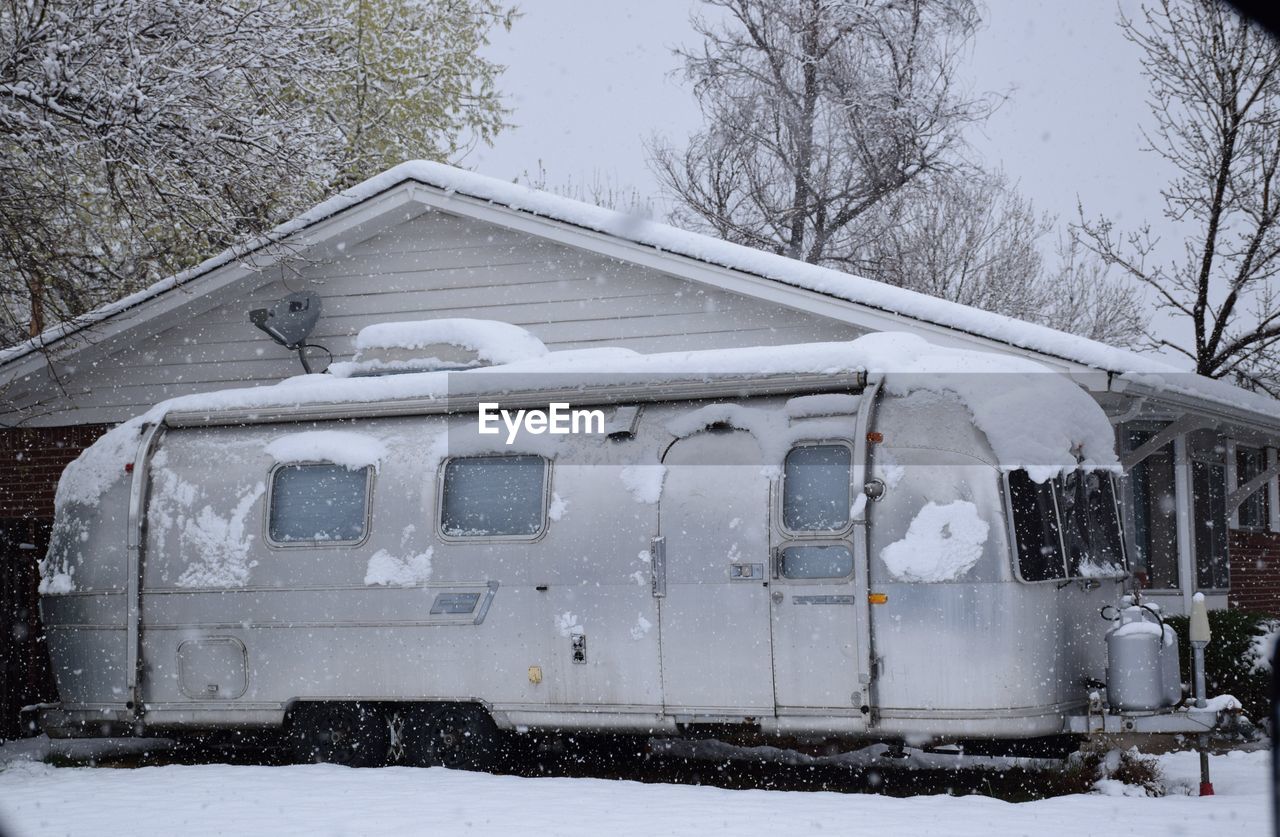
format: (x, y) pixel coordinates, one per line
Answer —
(701, 248)
(846, 286)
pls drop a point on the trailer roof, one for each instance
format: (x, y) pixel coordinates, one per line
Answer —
(1034, 417)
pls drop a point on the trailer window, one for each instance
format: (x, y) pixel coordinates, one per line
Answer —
(1090, 524)
(835, 561)
(815, 488)
(1068, 527)
(318, 503)
(1035, 528)
(493, 496)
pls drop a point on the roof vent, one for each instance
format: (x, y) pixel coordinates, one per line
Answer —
(438, 345)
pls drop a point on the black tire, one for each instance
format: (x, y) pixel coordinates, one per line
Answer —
(349, 734)
(457, 736)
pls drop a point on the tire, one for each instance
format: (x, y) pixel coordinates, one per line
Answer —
(457, 736)
(349, 734)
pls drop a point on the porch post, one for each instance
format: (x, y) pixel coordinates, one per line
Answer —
(1185, 525)
(1233, 483)
(1273, 458)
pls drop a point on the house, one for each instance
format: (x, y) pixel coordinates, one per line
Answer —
(423, 240)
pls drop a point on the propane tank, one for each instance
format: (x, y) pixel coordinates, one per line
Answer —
(1141, 672)
(1170, 662)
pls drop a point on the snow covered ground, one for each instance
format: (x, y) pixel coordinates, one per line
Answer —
(321, 800)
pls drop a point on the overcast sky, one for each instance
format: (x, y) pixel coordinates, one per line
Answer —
(588, 82)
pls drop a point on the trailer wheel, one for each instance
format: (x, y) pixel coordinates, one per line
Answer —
(353, 735)
(457, 736)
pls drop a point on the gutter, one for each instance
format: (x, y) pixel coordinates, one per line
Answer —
(1269, 422)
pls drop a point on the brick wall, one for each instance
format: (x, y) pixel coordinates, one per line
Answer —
(31, 459)
(1255, 571)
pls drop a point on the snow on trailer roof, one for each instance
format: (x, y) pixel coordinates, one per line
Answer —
(1034, 417)
(1147, 372)
(384, 348)
(492, 340)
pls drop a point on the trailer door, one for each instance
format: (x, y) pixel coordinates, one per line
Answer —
(816, 584)
(710, 577)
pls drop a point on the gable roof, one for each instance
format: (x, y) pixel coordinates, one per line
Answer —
(473, 194)
(662, 237)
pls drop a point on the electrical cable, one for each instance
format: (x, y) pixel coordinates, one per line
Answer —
(302, 355)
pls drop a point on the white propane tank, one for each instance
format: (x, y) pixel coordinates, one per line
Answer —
(1142, 667)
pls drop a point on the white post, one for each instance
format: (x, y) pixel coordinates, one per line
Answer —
(1183, 510)
(1233, 482)
(1198, 633)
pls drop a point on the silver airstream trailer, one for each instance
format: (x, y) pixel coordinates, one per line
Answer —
(784, 541)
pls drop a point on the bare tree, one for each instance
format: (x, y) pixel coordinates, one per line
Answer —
(603, 190)
(969, 239)
(1085, 299)
(816, 112)
(1215, 99)
(975, 240)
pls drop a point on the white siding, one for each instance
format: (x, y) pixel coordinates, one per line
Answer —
(435, 265)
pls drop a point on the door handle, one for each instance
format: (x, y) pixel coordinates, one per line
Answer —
(658, 565)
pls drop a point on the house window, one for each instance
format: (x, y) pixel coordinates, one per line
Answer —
(318, 503)
(815, 488)
(1209, 517)
(494, 496)
(1255, 511)
(1155, 530)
